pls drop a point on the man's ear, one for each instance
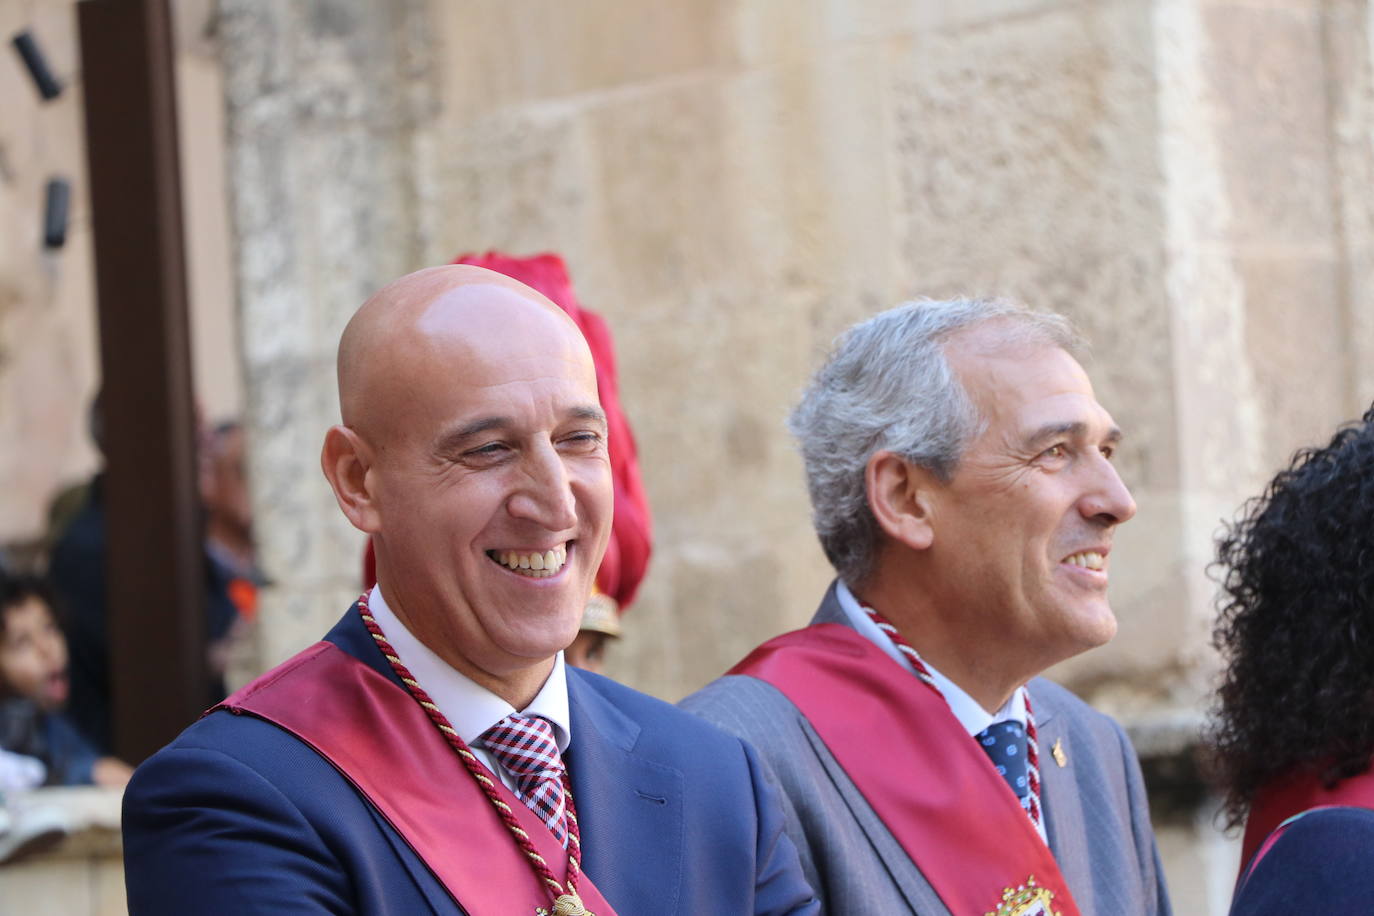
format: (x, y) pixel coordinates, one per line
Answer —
(899, 493)
(346, 460)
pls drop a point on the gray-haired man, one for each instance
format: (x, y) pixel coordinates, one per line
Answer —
(962, 486)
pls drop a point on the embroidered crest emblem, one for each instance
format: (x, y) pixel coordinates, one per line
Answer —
(1029, 899)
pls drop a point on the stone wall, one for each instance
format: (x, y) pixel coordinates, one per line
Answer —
(83, 874)
(733, 183)
(49, 359)
(326, 167)
(47, 330)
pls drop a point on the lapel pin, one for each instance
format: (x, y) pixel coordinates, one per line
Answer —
(1057, 752)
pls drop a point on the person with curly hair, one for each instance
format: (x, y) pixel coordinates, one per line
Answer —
(1294, 731)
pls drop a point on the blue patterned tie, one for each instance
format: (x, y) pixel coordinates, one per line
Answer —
(1005, 745)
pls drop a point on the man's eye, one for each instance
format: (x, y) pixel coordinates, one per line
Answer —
(1108, 451)
(1055, 451)
(490, 450)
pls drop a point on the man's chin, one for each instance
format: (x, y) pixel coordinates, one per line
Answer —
(1095, 626)
(534, 648)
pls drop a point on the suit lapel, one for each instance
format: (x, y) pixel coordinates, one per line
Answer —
(350, 635)
(626, 804)
(1060, 799)
(830, 610)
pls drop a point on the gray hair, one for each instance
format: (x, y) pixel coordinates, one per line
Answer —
(887, 386)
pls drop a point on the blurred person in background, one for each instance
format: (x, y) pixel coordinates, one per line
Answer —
(1294, 732)
(34, 690)
(229, 543)
(627, 555)
(77, 574)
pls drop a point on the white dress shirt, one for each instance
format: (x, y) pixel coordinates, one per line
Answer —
(470, 708)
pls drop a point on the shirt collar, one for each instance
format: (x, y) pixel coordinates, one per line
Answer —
(971, 716)
(470, 708)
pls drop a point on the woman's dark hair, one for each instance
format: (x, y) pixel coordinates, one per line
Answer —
(1296, 624)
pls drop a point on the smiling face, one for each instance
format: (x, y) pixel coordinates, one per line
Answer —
(1023, 530)
(487, 477)
(33, 654)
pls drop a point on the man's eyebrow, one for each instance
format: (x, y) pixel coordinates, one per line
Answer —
(454, 438)
(1071, 430)
(587, 413)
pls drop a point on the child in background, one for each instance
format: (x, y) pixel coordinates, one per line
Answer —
(33, 690)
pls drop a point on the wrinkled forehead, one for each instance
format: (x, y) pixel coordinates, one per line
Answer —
(492, 354)
(1020, 386)
(997, 355)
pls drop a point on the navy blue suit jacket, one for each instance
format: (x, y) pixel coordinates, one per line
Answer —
(237, 816)
(1320, 864)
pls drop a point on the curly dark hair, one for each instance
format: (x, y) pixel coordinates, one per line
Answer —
(1296, 624)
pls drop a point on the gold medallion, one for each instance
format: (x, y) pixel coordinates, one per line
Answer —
(569, 905)
(1029, 899)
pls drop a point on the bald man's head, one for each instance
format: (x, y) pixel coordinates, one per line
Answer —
(473, 450)
(387, 340)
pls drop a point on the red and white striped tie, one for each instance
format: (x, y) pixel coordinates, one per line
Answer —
(526, 747)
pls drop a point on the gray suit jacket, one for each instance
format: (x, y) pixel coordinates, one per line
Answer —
(1095, 807)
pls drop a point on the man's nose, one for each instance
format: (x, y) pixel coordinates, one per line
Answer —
(1108, 501)
(545, 495)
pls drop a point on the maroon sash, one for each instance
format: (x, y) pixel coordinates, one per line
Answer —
(1279, 801)
(928, 782)
(379, 738)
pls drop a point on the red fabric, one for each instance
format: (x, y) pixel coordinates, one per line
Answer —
(357, 719)
(928, 782)
(1279, 801)
(244, 594)
(627, 553)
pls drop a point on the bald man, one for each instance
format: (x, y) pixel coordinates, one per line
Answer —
(433, 754)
